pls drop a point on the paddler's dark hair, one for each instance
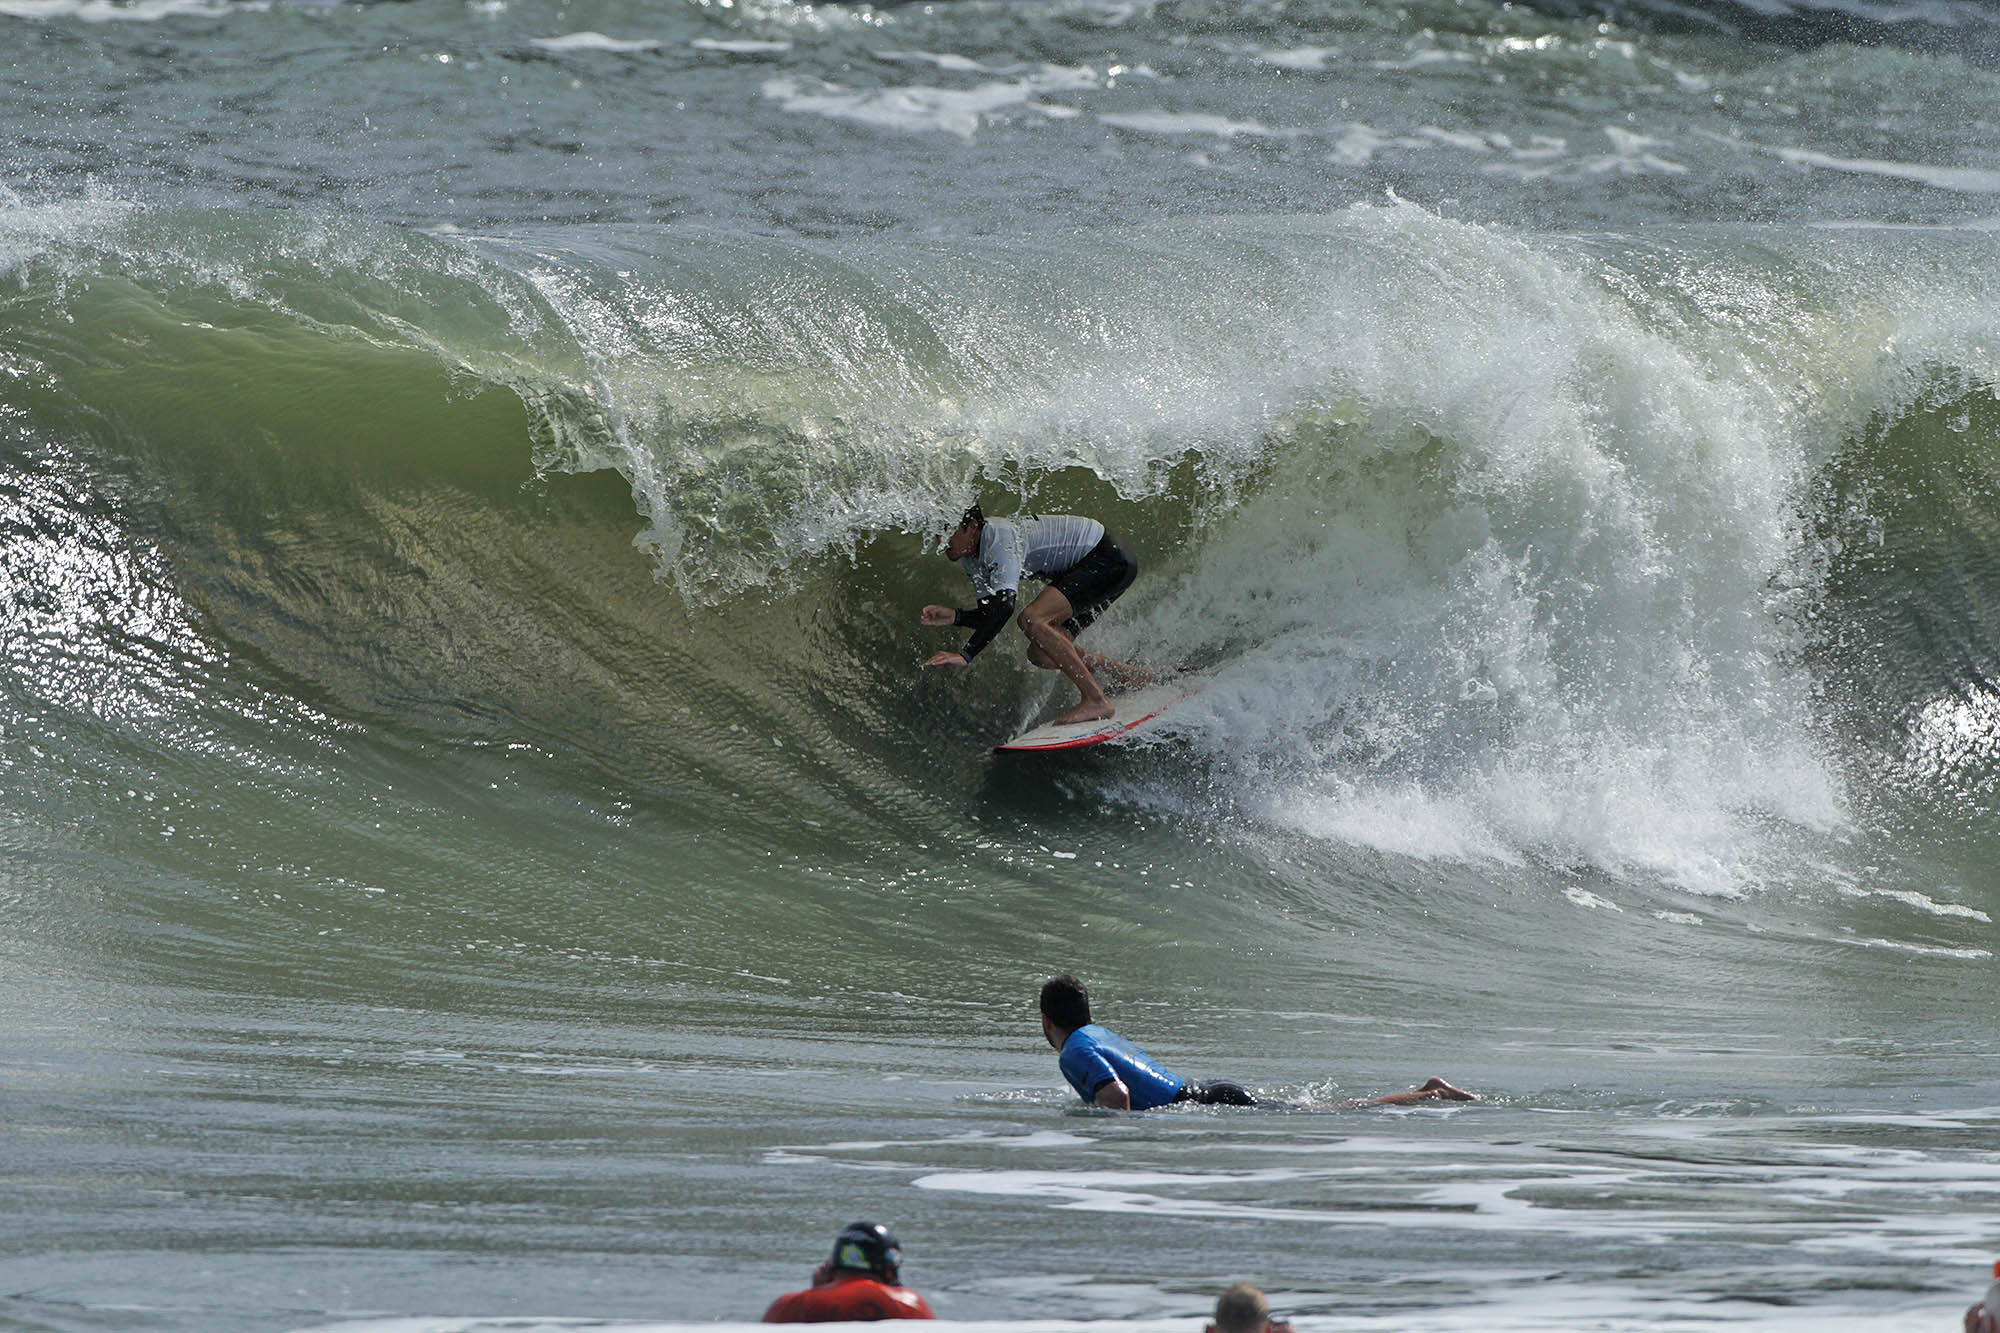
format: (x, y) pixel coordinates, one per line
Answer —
(973, 515)
(1066, 1002)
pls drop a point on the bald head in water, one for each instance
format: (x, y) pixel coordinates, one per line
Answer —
(1243, 1309)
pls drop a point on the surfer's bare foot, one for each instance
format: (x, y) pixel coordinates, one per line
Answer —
(1444, 1091)
(1086, 712)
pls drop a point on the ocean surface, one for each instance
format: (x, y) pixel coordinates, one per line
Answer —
(477, 851)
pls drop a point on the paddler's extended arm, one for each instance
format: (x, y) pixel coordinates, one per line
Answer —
(984, 620)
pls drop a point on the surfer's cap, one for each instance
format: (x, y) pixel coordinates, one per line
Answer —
(867, 1247)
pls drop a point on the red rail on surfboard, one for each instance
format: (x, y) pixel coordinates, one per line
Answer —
(1135, 710)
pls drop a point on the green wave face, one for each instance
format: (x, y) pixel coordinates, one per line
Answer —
(1447, 512)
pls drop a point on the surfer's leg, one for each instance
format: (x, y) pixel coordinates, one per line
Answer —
(1050, 647)
(1217, 1092)
(1131, 677)
(1097, 581)
(1435, 1090)
(1127, 675)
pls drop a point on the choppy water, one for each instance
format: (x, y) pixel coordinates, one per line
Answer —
(476, 850)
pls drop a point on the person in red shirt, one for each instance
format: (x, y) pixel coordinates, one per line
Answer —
(859, 1281)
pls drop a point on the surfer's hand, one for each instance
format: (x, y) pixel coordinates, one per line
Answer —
(939, 616)
(948, 660)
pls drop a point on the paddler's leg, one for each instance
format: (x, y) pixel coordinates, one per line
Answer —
(1049, 646)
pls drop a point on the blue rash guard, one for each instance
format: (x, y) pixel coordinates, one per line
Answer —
(1092, 1056)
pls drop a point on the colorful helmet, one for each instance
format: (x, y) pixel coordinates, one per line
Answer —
(868, 1247)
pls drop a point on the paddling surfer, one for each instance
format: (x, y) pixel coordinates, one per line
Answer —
(1085, 570)
(1108, 1071)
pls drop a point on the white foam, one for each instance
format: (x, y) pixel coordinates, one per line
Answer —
(920, 109)
(1631, 155)
(1469, 140)
(1358, 144)
(33, 229)
(134, 11)
(594, 41)
(1305, 58)
(1533, 622)
(1035, 1139)
(1398, 819)
(1921, 950)
(742, 46)
(1956, 733)
(1541, 156)
(1960, 180)
(1124, 1192)
(1923, 902)
(1191, 122)
(1420, 59)
(947, 61)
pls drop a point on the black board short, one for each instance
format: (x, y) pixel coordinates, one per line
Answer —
(1095, 582)
(1216, 1092)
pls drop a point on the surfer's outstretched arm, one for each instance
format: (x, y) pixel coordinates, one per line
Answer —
(985, 620)
(937, 617)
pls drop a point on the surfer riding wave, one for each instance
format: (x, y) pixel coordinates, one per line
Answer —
(1086, 571)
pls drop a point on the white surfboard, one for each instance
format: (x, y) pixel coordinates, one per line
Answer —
(1136, 709)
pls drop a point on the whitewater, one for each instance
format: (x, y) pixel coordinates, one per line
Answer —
(477, 849)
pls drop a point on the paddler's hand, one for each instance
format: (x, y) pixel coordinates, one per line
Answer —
(948, 660)
(939, 617)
